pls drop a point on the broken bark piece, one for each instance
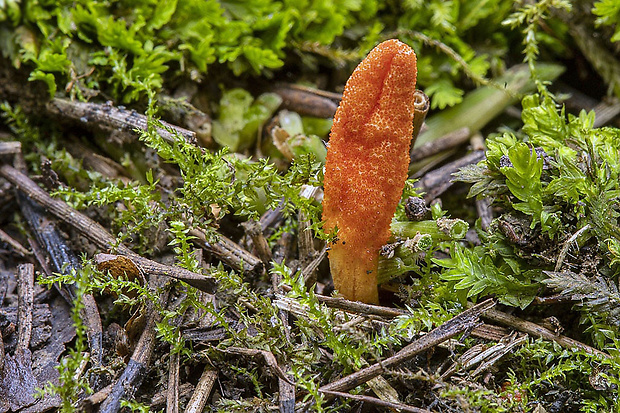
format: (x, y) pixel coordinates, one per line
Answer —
(367, 163)
(17, 381)
(45, 361)
(41, 326)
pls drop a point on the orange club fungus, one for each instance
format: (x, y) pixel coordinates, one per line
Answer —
(367, 163)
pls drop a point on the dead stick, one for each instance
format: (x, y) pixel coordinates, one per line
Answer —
(439, 180)
(462, 322)
(306, 102)
(535, 330)
(89, 228)
(97, 234)
(135, 371)
(448, 141)
(17, 247)
(485, 212)
(268, 356)
(201, 393)
(356, 306)
(10, 148)
(378, 402)
(113, 118)
(172, 393)
(228, 252)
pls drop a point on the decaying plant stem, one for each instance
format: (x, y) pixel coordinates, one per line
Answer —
(448, 141)
(17, 247)
(228, 252)
(172, 392)
(306, 101)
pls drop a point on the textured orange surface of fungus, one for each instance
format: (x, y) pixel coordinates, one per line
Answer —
(366, 165)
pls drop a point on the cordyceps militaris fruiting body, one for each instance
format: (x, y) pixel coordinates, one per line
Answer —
(366, 165)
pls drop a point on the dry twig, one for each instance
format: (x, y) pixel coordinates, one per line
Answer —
(535, 330)
(134, 373)
(99, 235)
(201, 393)
(468, 319)
(377, 402)
(115, 119)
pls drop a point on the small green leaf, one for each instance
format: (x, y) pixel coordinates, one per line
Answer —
(443, 93)
(48, 78)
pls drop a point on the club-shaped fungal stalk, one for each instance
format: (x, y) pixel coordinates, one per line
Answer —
(366, 165)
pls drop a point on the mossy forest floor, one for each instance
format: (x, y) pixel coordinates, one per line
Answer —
(161, 171)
